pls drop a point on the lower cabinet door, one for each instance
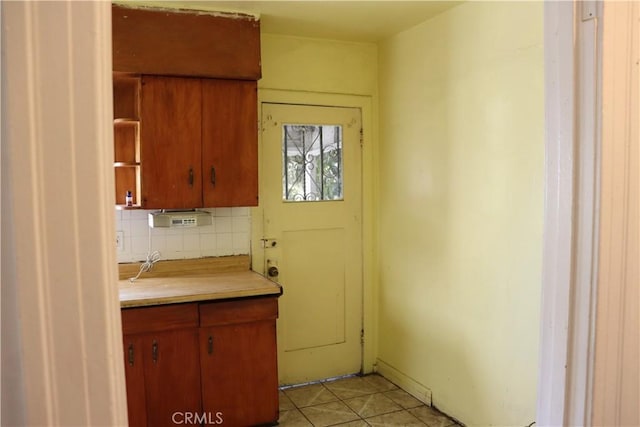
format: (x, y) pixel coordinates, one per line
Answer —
(239, 373)
(172, 377)
(134, 377)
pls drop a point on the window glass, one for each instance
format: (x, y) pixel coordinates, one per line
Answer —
(312, 163)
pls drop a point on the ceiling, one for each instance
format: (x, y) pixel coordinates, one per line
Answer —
(360, 21)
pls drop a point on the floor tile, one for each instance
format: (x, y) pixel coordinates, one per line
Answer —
(285, 402)
(358, 423)
(379, 383)
(329, 414)
(372, 405)
(309, 395)
(351, 387)
(345, 402)
(431, 417)
(293, 418)
(403, 398)
(400, 418)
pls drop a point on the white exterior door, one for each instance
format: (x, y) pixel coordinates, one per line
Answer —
(311, 194)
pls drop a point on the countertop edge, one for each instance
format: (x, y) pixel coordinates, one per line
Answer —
(213, 296)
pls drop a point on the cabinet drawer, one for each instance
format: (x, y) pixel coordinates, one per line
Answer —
(240, 311)
(159, 318)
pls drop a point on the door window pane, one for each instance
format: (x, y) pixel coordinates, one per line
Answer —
(312, 160)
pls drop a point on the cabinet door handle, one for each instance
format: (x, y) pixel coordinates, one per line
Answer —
(154, 351)
(213, 176)
(190, 177)
(210, 346)
(130, 354)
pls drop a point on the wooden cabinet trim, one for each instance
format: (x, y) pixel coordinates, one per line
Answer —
(159, 318)
(239, 311)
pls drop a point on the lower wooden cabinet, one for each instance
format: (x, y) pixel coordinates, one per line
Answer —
(165, 378)
(240, 350)
(214, 362)
(134, 375)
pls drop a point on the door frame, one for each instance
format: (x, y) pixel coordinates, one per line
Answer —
(573, 85)
(364, 103)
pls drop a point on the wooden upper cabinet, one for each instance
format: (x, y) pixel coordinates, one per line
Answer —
(182, 43)
(229, 143)
(198, 143)
(171, 147)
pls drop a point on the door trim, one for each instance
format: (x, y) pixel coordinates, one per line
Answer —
(572, 141)
(364, 103)
(53, 52)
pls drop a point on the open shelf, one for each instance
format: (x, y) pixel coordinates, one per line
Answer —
(126, 138)
(128, 208)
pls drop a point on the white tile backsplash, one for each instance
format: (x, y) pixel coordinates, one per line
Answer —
(241, 242)
(222, 212)
(240, 224)
(229, 234)
(223, 224)
(207, 242)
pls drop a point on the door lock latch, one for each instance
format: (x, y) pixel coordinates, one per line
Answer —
(273, 271)
(269, 243)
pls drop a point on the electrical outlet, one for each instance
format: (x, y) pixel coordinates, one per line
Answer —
(120, 241)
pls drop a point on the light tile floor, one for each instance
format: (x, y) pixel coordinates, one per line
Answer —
(356, 401)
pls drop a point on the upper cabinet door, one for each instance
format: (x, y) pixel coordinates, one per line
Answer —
(171, 148)
(229, 143)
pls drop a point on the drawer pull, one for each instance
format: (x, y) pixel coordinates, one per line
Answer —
(130, 354)
(213, 176)
(210, 346)
(154, 351)
(191, 177)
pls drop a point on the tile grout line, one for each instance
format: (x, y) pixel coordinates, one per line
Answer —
(367, 395)
(339, 400)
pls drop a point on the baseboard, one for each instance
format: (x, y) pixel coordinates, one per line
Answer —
(403, 381)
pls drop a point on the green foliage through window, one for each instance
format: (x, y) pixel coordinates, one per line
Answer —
(312, 159)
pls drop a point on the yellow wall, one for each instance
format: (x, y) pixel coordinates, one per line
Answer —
(316, 65)
(461, 208)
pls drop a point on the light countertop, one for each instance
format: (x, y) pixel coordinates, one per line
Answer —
(195, 287)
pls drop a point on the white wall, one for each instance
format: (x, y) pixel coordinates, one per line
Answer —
(460, 205)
